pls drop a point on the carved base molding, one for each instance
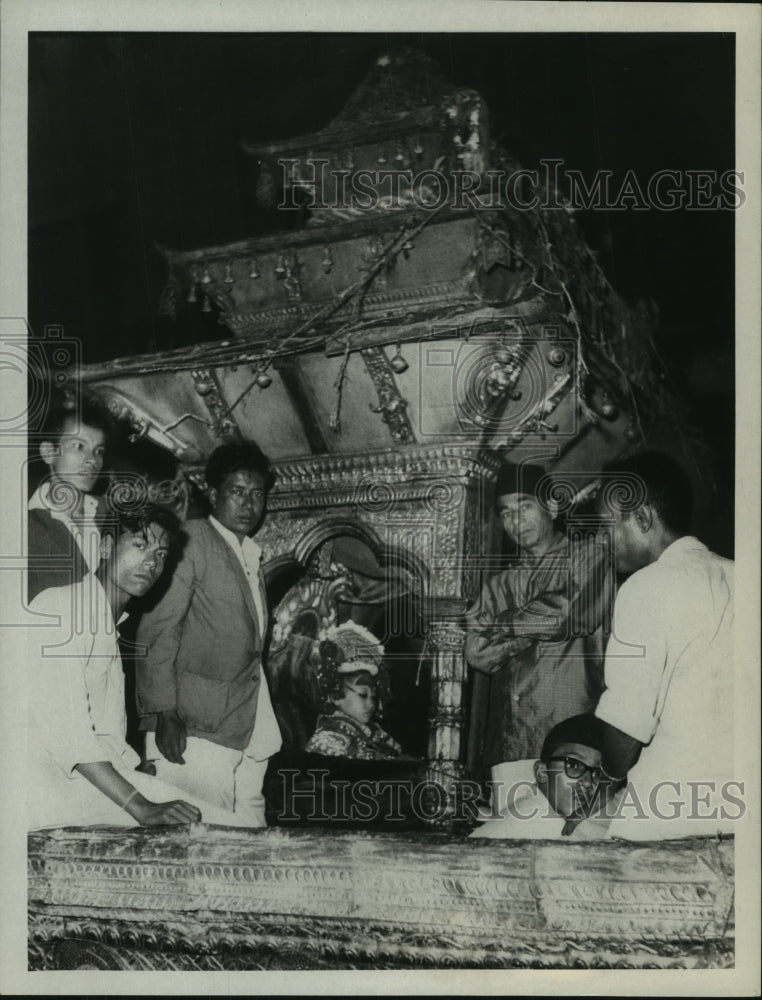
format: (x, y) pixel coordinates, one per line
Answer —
(82, 945)
(213, 898)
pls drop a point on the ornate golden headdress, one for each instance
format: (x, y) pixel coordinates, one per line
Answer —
(349, 649)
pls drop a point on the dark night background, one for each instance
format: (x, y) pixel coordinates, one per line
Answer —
(135, 140)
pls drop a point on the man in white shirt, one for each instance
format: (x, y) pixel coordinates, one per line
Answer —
(80, 769)
(63, 538)
(668, 702)
(201, 690)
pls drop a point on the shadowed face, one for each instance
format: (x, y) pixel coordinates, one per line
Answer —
(358, 701)
(630, 549)
(77, 458)
(568, 795)
(138, 561)
(239, 502)
(525, 521)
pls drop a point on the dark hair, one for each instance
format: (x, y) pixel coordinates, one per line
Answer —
(585, 729)
(113, 520)
(661, 481)
(82, 412)
(518, 479)
(230, 458)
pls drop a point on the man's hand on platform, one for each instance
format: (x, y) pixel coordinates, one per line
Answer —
(107, 780)
(163, 813)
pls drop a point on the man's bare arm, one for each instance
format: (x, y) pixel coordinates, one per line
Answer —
(104, 776)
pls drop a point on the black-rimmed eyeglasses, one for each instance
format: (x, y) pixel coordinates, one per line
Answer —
(577, 769)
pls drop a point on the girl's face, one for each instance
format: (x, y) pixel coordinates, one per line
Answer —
(358, 701)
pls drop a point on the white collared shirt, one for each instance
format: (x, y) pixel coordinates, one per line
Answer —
(669, 679)
(84, 532)
(266, 737)
(249, 554)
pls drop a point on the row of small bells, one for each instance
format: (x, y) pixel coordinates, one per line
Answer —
(284, 268)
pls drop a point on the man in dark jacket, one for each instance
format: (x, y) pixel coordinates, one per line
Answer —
(201, 689)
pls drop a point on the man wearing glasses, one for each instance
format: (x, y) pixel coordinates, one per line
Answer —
(561, 797)
(201, 690)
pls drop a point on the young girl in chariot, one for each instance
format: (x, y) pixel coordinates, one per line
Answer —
(352, 679)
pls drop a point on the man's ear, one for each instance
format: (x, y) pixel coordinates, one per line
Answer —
(644, 517)
(212, 496)
(107, 547)
(48, 451)
(540, 772)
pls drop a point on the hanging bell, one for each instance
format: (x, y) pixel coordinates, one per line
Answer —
(253, 269)
(327, 260)
(608, 411)
(207, 278)
(204, 386)
(192, 293)
(207, 306)
(280, 267)
(418, 148)
(381, 154)
(349, 160)
(398, 363)
(263, 380)
(229, 279)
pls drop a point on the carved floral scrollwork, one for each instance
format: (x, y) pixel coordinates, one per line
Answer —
(296, 899)
(340, 473)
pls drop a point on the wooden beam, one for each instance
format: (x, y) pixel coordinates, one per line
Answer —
(240, 351)
(294, 383)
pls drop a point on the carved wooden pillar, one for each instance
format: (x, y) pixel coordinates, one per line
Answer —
(426, 508)
(447, 640)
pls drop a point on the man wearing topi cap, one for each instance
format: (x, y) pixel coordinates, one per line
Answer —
(535, 635)
(558, 795)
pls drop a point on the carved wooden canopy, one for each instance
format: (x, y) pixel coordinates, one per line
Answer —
(403, 315)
